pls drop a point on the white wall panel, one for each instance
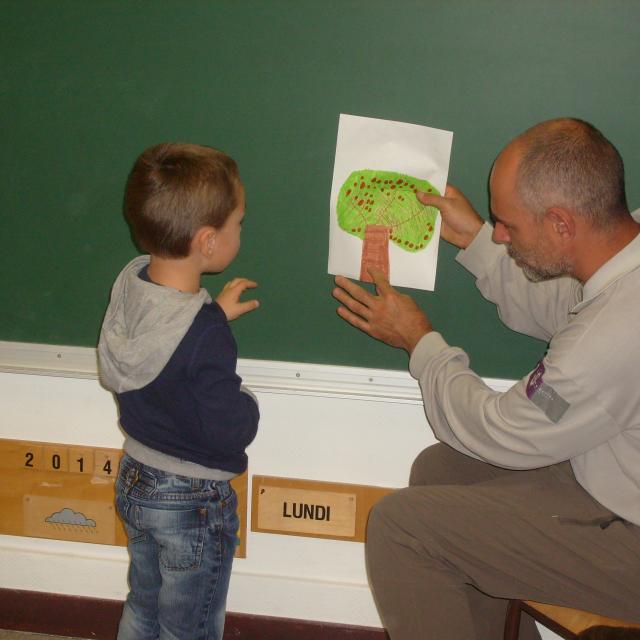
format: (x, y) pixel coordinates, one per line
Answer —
(338, 424)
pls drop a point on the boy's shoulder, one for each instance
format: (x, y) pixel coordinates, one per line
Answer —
(211, 313)
(209, 320)
(209, 333)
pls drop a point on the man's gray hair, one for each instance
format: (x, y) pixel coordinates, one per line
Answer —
(568, 163)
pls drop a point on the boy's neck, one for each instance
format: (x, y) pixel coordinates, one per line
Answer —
(178, 273)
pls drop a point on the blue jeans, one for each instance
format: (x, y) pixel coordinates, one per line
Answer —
(182, 536)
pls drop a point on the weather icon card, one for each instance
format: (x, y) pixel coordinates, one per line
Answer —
(376, 220)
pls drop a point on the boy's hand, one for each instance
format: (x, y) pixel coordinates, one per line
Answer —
(229, 298)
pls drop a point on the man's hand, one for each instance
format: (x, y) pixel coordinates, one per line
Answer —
(229, 298)
(460, 221)
(389, 316)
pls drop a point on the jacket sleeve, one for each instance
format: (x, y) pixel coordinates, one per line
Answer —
(549, 416)
(535, 309)
(228, 412)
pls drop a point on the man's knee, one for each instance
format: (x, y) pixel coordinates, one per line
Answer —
(381, 516)
(441, 464)
(389, 520)
(434, 465)
(405, 513)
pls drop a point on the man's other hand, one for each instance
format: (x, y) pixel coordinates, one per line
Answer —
(389, 316)
(460, 221)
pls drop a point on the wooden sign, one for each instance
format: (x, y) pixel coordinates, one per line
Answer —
(311, 508)
(66, 492)
(328, 513)
(78, 521)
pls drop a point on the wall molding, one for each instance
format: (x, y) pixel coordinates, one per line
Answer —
(265, 376)
(98, 618)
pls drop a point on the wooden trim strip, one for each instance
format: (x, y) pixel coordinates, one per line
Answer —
(83, 617)
(263, 376)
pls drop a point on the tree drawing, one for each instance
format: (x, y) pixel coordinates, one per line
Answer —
(381, 207)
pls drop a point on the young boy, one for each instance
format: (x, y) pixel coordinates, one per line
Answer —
(167, 352)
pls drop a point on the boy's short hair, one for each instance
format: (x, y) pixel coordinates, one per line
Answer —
(173, 190)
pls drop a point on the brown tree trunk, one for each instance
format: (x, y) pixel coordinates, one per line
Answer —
(375, 251)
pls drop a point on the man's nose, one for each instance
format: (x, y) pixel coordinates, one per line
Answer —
(500, 234)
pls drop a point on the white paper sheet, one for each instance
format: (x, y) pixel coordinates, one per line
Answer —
(386, 146)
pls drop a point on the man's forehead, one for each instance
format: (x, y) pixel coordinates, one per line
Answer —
(504, 171)
(506, 206)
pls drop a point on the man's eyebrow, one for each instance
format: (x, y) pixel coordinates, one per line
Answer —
(496, 218)
(493, 217)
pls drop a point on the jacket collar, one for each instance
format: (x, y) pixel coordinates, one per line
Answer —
(617, 267)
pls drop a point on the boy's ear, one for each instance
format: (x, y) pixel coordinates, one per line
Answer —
(204, 241)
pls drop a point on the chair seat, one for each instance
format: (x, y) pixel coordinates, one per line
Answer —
(564, 621)
(574, 620)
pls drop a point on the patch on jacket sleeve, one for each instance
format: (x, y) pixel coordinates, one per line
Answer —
(544, 396)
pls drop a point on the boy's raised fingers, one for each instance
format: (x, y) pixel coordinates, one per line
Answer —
(249, 305)
(239, 285)
(244, 283)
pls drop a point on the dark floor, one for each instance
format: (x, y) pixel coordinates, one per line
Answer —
(23, 635)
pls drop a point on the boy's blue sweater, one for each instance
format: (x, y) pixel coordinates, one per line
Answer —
(170, 359)
(194, 410)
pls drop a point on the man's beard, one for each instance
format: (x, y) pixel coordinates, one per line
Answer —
(537, 272)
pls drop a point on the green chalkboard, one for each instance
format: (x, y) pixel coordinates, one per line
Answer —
(87, 85)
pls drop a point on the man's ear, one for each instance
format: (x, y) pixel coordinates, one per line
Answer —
(562, 223)
(204, 241)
